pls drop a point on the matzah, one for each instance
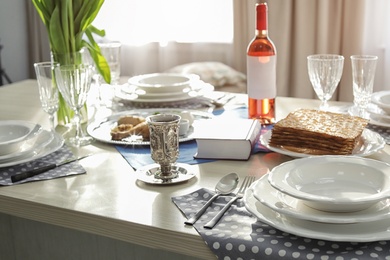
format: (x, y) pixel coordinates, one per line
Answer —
(318, 132)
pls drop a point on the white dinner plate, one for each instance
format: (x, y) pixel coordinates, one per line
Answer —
(372, 143)
(56, 143)
(195, 91)
(292, 207)
(100, 129)
(29, 147)
(354, 232)
(378, 116)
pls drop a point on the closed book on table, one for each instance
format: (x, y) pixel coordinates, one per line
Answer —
(226, 138)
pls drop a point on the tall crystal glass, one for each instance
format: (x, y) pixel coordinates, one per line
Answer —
(363, 74)
(74, 82)
(325, 72)
(48, 92)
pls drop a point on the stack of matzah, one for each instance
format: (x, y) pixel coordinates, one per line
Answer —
(318, 132)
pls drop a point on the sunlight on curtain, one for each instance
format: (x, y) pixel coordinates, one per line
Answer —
(142, 21)
(376, 40)
(157, 35)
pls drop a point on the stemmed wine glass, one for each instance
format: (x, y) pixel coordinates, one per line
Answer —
(325, 72)
(48, 92)
(74, 82)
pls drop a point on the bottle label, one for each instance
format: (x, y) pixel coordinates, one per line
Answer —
(261, 77)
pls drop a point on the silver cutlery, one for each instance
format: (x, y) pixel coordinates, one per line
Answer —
(30, 173)
(226, 185)
(240, 193)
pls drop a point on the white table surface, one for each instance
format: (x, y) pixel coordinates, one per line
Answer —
(108, 201)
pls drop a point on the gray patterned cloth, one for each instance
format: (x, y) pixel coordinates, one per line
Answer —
(58, 156)
(239, 235)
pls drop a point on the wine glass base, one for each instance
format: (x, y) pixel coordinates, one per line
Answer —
(360, 112)
(79, 141)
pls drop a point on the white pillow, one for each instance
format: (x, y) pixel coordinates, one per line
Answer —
(217, 74)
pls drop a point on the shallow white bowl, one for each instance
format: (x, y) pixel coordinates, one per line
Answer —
(158, 83)
(334, 183)
(14, 133)
(382, 100)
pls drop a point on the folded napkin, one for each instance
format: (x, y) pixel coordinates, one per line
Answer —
(239, 235)
(139, 156)
(58, 156)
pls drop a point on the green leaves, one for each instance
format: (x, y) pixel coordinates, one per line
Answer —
(67, 21)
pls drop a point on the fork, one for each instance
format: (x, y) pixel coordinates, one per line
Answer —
(248, 180)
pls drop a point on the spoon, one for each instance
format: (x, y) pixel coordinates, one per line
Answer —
(225, 186)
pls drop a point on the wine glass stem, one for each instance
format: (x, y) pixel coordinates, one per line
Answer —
(51, 118)
(78, 123)
(324, 105)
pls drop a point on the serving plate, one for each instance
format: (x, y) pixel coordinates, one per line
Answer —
(55, 144)
(100, 129)
(292, 207)
(382, 99)
(378, 116)
(354, 232)
(371, 143)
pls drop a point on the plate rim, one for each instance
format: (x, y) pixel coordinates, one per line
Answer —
(311, 229)
(53, 146)
(96, 123)
(319, 216)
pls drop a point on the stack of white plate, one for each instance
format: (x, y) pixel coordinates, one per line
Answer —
(327, 197)
(163, 87)
(379, 108)
(23, 141)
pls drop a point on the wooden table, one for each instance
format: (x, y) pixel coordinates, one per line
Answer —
(106, 213)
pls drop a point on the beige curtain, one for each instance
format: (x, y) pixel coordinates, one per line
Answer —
(39, 49)
(303, 27)
(297, 27)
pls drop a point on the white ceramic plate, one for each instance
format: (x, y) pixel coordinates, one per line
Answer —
(100, 129)
(372, 143)
(14, 133)
(292, 207)
(56, 143)
(355, 232)
(163, 82)
(333, 183)
(378, 116)
(29, 147)
(382, 99)
(196, 90)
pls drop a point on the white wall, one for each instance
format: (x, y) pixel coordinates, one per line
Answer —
(13, 37)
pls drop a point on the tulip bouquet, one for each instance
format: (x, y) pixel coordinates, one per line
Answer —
(69, 27)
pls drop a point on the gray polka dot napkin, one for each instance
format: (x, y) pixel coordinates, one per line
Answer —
(239, 235)
(383, 131)
(58, 156)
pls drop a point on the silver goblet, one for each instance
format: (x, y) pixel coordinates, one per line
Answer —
(164, 143)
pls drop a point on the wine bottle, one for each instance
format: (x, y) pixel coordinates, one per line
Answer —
(261, 71)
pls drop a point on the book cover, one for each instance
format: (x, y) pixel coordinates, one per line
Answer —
(231, 139)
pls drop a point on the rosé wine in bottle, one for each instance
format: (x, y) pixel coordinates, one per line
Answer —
(261, 71)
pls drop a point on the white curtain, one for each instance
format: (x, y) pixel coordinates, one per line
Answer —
(297, 27)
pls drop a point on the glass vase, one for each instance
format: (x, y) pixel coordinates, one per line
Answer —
(65, 114)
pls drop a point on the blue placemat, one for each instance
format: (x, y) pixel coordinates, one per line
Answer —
(139, 156)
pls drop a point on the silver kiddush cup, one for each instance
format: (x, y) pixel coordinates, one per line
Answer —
(164, 143)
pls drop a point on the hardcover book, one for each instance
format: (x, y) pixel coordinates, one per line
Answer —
(226, 139)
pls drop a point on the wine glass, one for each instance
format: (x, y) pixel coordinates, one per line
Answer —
(325, 72)
(74, 82)
(48, 92)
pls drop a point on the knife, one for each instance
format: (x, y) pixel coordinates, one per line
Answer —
(30, 173)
